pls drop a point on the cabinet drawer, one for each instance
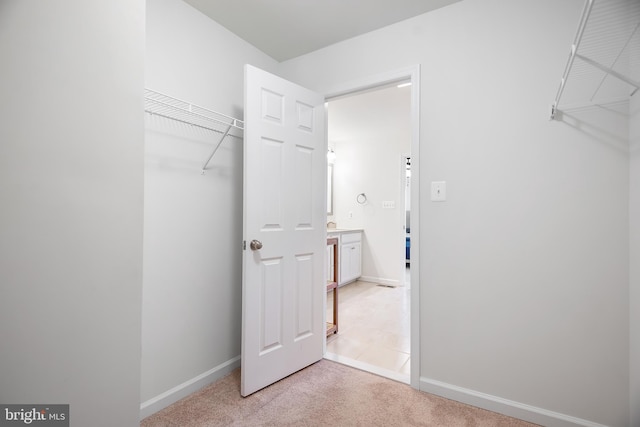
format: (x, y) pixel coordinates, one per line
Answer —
(350, 237)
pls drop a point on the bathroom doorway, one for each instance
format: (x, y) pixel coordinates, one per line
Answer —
(370, 134)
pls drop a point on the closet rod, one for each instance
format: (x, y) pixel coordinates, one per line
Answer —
(572, 55)
(605, 103)
(609, 71)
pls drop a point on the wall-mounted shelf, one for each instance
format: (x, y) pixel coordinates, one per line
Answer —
(604, 59)
(166, 106)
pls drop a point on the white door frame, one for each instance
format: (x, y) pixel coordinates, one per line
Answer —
(413, 74)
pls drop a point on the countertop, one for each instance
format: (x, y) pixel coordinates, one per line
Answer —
(342, 230)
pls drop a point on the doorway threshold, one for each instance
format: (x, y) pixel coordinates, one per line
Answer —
(376, 370)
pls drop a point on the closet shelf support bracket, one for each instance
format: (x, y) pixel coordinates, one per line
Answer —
(224, 135)
(609, 71)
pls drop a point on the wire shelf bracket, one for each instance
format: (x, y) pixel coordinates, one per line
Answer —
(166, 106)
(605, 43)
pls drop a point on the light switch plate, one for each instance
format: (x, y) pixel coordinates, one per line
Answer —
(438, 191)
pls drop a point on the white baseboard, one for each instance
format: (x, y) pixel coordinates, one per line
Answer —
(380, 280)
(180, 391)
(503, 406)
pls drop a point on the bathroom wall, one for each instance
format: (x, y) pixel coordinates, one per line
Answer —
(370, 133)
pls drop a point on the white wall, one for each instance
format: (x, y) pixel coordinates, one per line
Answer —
(525, 290)
(71, 186)
(634, 257)
(524, 284)
(370, 132)
(192, 222)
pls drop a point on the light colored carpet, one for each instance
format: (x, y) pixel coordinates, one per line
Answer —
(324, 394)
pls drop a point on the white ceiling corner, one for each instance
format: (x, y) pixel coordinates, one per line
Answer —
(285, 29)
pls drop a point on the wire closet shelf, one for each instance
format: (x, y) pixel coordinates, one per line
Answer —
(166, 106)
(603, 57)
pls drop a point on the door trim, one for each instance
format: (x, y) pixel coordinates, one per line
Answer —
(411, 73)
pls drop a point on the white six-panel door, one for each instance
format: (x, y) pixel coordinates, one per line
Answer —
(284, 283)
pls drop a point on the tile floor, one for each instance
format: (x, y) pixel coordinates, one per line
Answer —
(373, 329)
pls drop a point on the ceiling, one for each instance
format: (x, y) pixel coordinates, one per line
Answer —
(285, 29)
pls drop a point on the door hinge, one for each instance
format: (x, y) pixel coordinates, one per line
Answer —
(244, 245)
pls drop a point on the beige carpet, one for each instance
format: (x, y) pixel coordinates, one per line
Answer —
(324, 394)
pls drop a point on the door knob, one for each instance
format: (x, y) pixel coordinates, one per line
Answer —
(255, 245)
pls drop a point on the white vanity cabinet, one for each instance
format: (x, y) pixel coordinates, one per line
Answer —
(349, 255)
